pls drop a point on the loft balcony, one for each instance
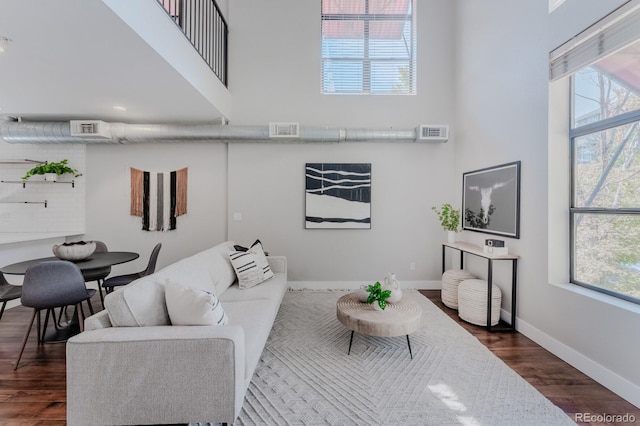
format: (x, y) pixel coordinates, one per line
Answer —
(204, 26)
(148, 61)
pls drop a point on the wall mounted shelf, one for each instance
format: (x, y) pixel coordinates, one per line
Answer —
(25, 161)
(24, 183)
(21, 161)
(45, 202)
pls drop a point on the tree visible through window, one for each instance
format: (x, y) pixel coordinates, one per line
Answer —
(368, 47)
(605, 211)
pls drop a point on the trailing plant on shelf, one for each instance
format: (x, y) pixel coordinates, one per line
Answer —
(449, 217)
(378, 295)
(59, 168)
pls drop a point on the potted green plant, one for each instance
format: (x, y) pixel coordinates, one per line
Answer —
(449, 219)
(51, 170)
(377, 296)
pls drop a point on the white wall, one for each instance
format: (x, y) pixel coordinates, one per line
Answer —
(274, 60)
(502, 102)
(108, 199)
(153, 25)
(275, 76)
(266, 185)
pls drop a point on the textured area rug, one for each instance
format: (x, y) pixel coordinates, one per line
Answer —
(305, 376)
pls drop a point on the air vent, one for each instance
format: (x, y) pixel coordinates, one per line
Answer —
(90, 129)
(284, 130)
(433, 132)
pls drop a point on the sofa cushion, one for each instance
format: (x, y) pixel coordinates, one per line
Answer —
(190, 271)
(272, 289)
(139, 304)
(189, 306)
(256, 319)
(216, 261)
(142, 303)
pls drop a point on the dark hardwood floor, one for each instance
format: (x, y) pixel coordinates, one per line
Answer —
(574, 392)
(35, 394)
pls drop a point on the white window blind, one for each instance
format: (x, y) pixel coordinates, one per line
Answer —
(616, 31)
(368, 47)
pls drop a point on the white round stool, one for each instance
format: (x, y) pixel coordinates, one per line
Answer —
(450, 281)
(472, 302)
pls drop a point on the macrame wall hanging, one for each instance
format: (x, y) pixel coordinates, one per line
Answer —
(158, 197)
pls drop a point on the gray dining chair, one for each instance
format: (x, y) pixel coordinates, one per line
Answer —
(49, 285)
(110, 283)
(100, 274)
(8, 292)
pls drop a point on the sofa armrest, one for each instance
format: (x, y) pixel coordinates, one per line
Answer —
(148, 375)
(97, 321)
(278, 264)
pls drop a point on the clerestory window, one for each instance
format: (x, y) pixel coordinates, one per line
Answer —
(368, 47)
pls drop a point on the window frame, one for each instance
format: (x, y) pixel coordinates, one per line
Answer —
(366, 59)
(575, 133)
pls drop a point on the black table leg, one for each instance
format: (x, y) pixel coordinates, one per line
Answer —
(489, 293)
(350, 342)
(409, 344)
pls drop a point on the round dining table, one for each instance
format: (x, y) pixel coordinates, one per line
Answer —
(95, 261)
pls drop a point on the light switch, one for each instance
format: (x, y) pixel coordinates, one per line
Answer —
(237, 217)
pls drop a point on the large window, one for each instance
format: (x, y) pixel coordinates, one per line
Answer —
(605, 205)
(368, 47)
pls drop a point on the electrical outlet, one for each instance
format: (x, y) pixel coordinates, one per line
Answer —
(412, 266)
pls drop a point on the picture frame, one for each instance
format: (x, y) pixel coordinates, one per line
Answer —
(338, 196)
(491, 200)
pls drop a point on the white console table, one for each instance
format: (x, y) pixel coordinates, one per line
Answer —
(478, 251)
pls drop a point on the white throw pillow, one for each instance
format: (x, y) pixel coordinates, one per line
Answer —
(189, 306)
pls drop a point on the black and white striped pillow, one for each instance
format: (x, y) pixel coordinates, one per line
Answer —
(247, 269)
(260, 258)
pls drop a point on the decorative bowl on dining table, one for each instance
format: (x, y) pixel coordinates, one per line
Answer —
(77, 250)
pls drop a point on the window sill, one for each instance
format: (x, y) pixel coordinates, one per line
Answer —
(599, 297)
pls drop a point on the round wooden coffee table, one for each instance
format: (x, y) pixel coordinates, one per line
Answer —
(402, 318)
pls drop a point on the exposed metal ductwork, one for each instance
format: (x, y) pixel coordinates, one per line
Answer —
(121, 133)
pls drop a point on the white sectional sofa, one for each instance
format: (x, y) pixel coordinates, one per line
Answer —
(131, 366)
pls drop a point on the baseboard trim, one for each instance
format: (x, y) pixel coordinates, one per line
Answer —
(354, 285)
(607, 378)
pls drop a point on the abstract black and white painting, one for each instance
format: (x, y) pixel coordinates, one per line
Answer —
(338, 196)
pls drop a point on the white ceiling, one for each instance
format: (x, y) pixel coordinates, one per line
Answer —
(76, 59)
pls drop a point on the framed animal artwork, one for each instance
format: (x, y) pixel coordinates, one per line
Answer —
(491, 200)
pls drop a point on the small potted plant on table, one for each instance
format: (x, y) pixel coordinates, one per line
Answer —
(377, 296)
(449, 220)
(52, 170)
